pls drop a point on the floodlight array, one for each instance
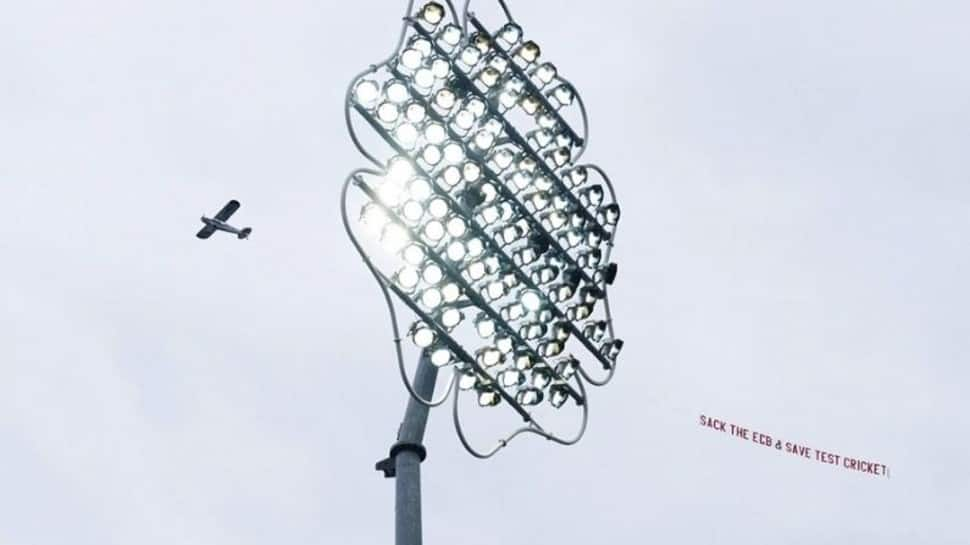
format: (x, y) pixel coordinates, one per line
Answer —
(489, 217)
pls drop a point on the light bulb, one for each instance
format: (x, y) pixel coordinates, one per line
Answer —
(432, 274)
(408, 278)
(435, 133)
(366, 93)
(434, 230)
(407, 135)
(440, 357)
(399, 170)
(432, 13)
(419, 189)
(451, 317)
(396, 91)
(431, 298)
(387, 112)
(394, 237)
(422, 335)
(411, 58)
(529, 396)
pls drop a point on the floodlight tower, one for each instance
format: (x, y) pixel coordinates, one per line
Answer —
(494, 236)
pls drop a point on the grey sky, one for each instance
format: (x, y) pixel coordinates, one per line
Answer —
(793, 257)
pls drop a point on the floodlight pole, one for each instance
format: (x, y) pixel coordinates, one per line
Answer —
(404, 462)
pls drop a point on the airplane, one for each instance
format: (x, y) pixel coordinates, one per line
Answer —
(218, 223)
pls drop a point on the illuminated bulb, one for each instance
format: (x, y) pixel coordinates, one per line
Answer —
(413, 254)
(563, 95)
(399, 170)
(546, 120)
(488, 356)
(450, 292)
(431, 155)
(387, 112)
(530, 104)
(490, 215)
(510, 378)
(550, 348)
(494, 290)
(484, 139)
(464, 120)
(567, 367)
(450, 35)
(451, 317)
(438, 208)
(531, 300)
(432, 13)
(560, 156)
(415, 113)
(422, 45)
(431, 298)
(411, 58)
(545, 73)
(523, 360)
(529, 396)
(440, 68)
(424, 78)
(456, 251)
(432, 274)
(558, 394)
(452, 176)
(394, 237)
(408, 278)
(470, 56)
(419, 189)
(489, 76)
(508, 98)
(422, 335)
(373, 217)
(366, 93)
(541, 377)
(467, 380)
(476, 107)
(389, 194)
(440, 357)
(510, 33)
(396, 91)
(471, 171)
(488, 397)
(434, 230)
(481, 42)
(435, 133)
(412, 211)
(476, 270)
(529, 51)
(485, 326)
(475, 247)
(454, 153)
(444, 99)
(503, 158)
(513, 312)
(456, 227)
(407, 135)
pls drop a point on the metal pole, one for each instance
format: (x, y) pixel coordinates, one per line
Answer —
(406, 456)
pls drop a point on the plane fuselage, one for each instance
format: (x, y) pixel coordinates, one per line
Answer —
(221, 225)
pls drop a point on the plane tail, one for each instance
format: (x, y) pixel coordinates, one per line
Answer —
(245, 232)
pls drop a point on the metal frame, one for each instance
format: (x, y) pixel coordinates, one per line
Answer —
(387, 286)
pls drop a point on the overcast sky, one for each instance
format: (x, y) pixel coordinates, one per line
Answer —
(795, 181)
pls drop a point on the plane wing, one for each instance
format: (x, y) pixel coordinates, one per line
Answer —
(228, 210)
(206, 232)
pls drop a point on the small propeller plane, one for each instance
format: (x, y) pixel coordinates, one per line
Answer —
(218, 223)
